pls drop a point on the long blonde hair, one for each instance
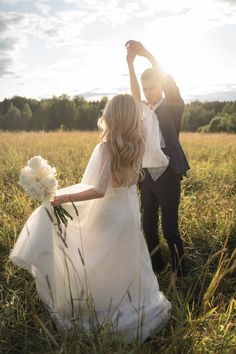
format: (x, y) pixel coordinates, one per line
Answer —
(122, 128)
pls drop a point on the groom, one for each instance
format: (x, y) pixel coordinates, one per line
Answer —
(164, 193)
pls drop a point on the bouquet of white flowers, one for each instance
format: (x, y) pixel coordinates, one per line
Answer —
(38, 179)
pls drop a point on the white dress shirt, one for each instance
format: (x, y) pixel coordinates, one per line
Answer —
(154, 159)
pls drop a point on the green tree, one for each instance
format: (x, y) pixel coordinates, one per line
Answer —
(40, 118)
(103, 102)
(69, 114)
(13, 118)
(223, 123)
(2, 121)
(228, 108)
(26, 117)
(195, 116)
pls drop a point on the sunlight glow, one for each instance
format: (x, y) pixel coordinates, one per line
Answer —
(183, 53)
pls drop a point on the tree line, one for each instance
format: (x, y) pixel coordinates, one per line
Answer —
(209, 117)
(63, 112)
(20, 113)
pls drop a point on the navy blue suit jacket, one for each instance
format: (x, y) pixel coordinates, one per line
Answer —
(169, 115)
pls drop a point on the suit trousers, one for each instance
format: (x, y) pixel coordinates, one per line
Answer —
(163, 194)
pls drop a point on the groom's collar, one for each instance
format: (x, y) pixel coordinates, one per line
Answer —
(154, 107)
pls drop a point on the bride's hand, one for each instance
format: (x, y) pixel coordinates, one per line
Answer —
(138, 47)
(131, 54)
(60, 199)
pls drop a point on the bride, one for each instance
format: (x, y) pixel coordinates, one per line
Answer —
(101, 257)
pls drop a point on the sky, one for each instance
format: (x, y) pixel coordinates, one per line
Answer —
(77, 47)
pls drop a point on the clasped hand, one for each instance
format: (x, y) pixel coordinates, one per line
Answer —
(135, 48)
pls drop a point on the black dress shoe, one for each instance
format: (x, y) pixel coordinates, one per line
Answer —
(159, 265)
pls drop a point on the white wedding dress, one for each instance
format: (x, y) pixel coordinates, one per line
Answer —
(101, 257)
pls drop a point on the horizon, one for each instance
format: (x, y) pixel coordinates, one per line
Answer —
(98, 98)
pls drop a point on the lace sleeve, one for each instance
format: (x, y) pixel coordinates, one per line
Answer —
(104, 171)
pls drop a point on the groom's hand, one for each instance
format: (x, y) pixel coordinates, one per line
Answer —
(137, 47)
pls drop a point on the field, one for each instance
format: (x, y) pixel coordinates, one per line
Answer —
(204, 302)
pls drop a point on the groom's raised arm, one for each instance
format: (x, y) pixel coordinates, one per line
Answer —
(167, 82)
(170, 88)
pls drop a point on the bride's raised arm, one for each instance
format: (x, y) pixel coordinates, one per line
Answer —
(134, 85)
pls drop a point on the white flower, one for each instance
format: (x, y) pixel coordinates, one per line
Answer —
(50, 183)
(37, 162)
(53, 171)
(26, 177)
(38, 179)
(41, 173)
(49, 197)
(36, 191)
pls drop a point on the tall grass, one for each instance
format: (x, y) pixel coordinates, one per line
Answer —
(204, 302)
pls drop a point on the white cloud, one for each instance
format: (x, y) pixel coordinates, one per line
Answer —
(12, 42)
(171, 6)
(16, 28)
(82, 41)
(43, 6)
(8, 2)
(202, 16)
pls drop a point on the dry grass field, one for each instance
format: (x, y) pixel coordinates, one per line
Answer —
(204, 302)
